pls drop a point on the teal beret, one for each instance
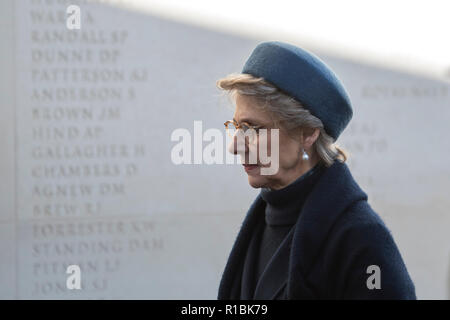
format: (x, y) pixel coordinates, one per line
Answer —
(305, 77)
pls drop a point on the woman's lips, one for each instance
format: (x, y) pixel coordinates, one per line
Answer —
(250, 167)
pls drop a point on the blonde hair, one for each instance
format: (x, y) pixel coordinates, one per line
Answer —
(289, 113)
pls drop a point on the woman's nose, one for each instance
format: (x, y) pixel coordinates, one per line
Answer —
(237, 145)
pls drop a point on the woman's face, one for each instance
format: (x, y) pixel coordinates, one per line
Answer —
(290, 163)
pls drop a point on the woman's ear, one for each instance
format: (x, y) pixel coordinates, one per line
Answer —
(311, 135)
(297, 134)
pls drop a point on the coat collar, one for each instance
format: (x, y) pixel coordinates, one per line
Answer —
(335, 192)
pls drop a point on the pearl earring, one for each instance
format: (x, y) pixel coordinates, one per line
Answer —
(305, 155)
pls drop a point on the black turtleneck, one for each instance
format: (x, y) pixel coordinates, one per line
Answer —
(283, 207)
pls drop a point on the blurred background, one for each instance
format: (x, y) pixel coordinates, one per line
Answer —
(88, 115)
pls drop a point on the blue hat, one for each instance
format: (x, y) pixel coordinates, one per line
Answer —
(306, 78)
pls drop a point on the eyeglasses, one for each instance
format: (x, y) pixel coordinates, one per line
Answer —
(231, 126)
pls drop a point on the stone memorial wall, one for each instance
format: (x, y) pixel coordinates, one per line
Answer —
(88, 179)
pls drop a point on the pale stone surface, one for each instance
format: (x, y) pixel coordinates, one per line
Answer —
(398, 139)
(140, 226)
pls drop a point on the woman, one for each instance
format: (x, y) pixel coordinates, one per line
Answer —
(310, 233)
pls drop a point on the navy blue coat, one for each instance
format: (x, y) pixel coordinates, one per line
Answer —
(336, 238)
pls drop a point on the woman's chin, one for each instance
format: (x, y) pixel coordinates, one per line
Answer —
(257, 181)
